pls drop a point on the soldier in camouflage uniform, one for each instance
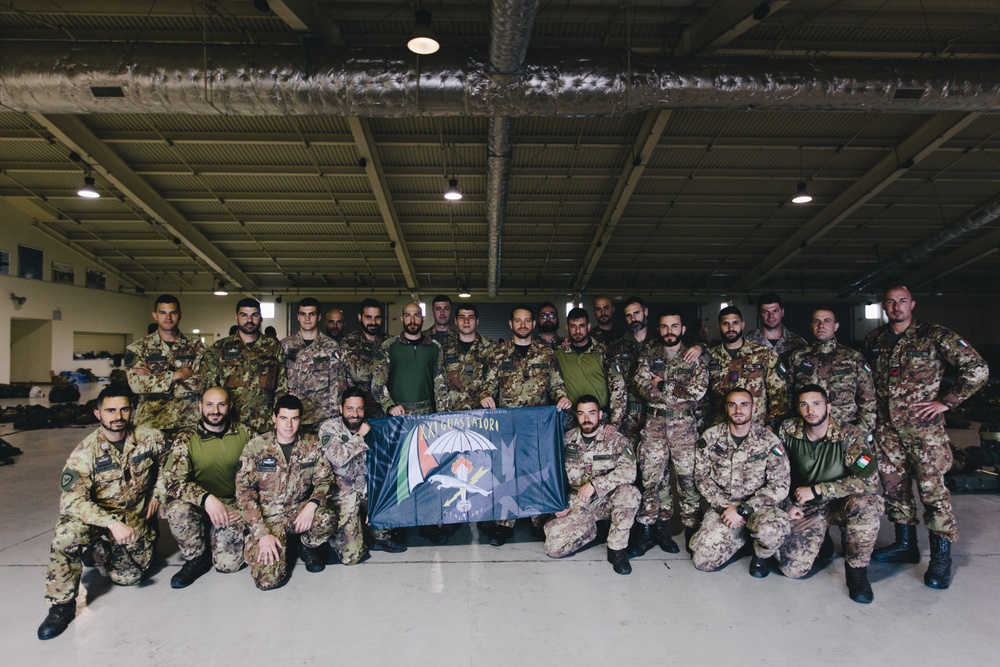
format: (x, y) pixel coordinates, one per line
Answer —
(625, 351)
(441, 310)
(333, 324)
(547, 331)
(773, 333)
(587, 367)
(833, 480)
(604, 312)
(359, 348)
(522, 373)
(314, 368)
(908, 359)
(737, 362)
(282, 488)
(200, 482)
(163, 369)
(600, 469)
(465, 355)
(841, 371)
(251, 367)
(408, 375)
(671, 388)
(110, 495)
(741, 470)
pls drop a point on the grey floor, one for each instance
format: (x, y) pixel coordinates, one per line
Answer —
(468, 603)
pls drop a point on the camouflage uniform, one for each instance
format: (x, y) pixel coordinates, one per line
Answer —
(347, 453)
(849, 501)
(755, 474)
(614, 379)
(359, 359)
(316, 374)
(845, 376)
(605, 336)
(271, 491)
(670, 431)
(788, 342)
(163, 403)
(905, 374)
(625, 353)
(465, 372)
(99, 487)
(184, 510)
(523, 382)
(439, 336)
(382, 377)
(254, 375)
(607, 463)
(756, 368)
(557, 341)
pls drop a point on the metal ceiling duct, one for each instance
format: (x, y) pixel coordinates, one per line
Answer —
(266, 80)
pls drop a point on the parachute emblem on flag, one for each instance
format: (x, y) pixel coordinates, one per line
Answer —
(422, 465)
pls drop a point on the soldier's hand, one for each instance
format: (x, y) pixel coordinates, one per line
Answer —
(151, 508)
(488, 403)
(216, 511)
(142, 370)
(304, 519)
(182, 374)
(269, 549)
(732, 518)
(364, 429)
(927, 410)
(122, 533)
(655, 381)
(234, 516)
(397, 411)
(693, 353)
(564, 404)
(795, 513)
(586, 492)
(561, 513)
(804, 494)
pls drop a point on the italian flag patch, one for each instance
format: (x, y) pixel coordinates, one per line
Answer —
(961, 341)
(863, 461)
(777, 451)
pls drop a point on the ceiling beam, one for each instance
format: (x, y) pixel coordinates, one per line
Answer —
(720, 25)
(309, 16)
(76, 136)
(911, 151)
(362, 131)
(649, 136)
(957, 259)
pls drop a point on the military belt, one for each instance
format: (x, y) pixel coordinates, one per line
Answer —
(669, 413)
(423, 407)
(638, 407)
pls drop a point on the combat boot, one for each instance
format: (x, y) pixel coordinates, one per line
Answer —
(938, 573)
(640, 541)
(619, 561)
(312, 557)
(661, 535)
(58, 620)
(858, 587)
(903, 550)
(387, 541)
(759, 567)
(500, 535)
(826, 549)
(191, 570)
(689, 532)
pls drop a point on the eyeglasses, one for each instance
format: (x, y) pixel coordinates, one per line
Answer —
(548, 316)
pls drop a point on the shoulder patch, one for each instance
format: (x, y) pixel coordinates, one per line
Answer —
(326, 439)
(866, 367)
(68, 479)
(130, 358)
(777, 450)
(629, 454)
(962, 343)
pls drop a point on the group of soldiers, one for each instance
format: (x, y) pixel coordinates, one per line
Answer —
(254, 449)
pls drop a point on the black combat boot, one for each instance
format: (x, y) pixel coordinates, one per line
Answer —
(500, 535)
(640, 541)
(759, 567)
(903, 550)
(313, 557)
(688, 534)
(938, 573)
(661, 535)
(389, 543)
(857, 584)
(826, 549)
(191, 570)
(619, 561)
(58, 620)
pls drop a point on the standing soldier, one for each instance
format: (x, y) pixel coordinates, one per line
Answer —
(587, 367)
(108, 507)
(548, 325)
(333, 323)
(163, 370)
(840, 371)
(251, 367)
(409, 370)
(604, 312)
(359, 348)
(465, 355)
(314, 368)
(600, 468)
(522, 373)
(625, 351)
(737, 362)
(741, 470)
(282, 488)
(671, 388)
(773, 333)
(441, 310)
(908, 359)
(200, 482)
(832, 481)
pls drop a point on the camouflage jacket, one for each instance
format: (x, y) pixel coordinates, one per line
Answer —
(606, 336)
(516, 382)
(606, 463)
(556, 343)
(911, 372)
(755, 474)
(358, 358)
(614, 379)
(347, 453)
(684, 383)
(163, 403)
(101, 486)
(270, 488)
(439, 336)
(180, 477)
(253, 375)
(857, 456)
(625, 352)
(788, 343)
(465, 372)
(845, 376)
(316, 374)
(756, 368)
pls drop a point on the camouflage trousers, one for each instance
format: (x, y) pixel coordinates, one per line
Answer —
(568, 534)
(274, 574)
(348, 540)
(124, 564)
(715, 542)
(195, 533)
(664, 440)
(633, 424)
(857, 514)
(923, 454)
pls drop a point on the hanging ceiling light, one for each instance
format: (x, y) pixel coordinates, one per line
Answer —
(221, 290)
(423, 40)
(802, 196)
(464, 293)
(88, 190)
(453, 193)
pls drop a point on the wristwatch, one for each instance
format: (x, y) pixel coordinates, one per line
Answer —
(744, 511)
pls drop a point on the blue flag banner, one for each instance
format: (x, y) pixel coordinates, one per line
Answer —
(461, 467)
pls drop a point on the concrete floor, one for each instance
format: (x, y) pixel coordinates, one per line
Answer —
(468, 603)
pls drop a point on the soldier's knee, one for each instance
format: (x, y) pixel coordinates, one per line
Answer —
(127, 577)
(626, 495)
(704, 564)
(793, 569)
(556, 549)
